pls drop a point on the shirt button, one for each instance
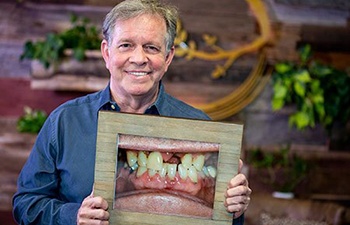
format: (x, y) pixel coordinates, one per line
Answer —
(113, 107)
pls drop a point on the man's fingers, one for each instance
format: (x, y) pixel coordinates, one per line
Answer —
(240, 165)
(95, 203)
(238, 180)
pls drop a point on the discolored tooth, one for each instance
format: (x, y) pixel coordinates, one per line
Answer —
(131, 157)
(192, 174)
(151, 172)
(134, 167)
(186, 160)
(142, 159)
(211, 171)
(155, 161)
(182, 171)
(164, 169)
(171, 171)
(205, 171)
(140, 171)
(198, 162)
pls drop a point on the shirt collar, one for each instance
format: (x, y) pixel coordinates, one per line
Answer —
(106, 102)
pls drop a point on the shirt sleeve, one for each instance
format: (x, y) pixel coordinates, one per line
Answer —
(37, 198)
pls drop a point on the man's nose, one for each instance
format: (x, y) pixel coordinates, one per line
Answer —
(138, 56)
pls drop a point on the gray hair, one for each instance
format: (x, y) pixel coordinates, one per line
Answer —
(132, 8)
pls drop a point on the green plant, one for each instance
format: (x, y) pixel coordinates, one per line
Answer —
(31, 121)
(285, 170)
(320, 92)
(80, 37)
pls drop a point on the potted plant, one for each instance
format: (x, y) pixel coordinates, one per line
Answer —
(319, 92)
(55, 53)
(283, 170)
(31, 121)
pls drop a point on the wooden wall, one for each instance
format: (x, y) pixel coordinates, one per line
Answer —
(230, 20)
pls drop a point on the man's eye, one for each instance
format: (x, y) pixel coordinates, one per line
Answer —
(124, 46)
(152, 49)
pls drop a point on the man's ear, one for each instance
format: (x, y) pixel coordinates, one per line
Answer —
(105, 51)
(169, 57)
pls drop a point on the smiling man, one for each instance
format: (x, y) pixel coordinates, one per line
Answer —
(56, 183)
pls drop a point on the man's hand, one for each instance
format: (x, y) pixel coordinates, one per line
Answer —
(237, 195)
(92, 211)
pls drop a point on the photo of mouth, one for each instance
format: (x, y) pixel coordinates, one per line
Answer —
(166, 176)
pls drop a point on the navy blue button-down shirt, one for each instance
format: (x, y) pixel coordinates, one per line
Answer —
(59, 172)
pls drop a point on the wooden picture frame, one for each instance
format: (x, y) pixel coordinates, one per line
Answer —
(227, 136)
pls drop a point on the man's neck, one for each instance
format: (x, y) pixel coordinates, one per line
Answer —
(134, 104)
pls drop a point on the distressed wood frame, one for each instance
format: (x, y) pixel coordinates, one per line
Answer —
(111, 124)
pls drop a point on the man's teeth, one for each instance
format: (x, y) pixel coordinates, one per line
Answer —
(172, 171)
(198, 162)
(155, 161)
(131, 157)
(142, 159)
(141, 170)
(138, 73)
(186, 161)
(209, 171)
(190, 165)
(182, 171)
(192, 174)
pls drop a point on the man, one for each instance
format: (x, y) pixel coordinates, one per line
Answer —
(56, 183)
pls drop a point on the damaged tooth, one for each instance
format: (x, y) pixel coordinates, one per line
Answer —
(211, 171)
(164, 169)
(131, 157)
(172, 171)
(186, 160)
(134, 167)
(140, 171)
(192, 174)
(155, 161)
(142, 159)
(198, 162)
(182, 171)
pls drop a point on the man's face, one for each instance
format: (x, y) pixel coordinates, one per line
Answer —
(137, 58)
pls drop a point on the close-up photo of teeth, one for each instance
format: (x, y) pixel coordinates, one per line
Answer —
(184, 179)
(165, 164)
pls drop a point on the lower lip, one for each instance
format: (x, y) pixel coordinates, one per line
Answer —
(152, 201)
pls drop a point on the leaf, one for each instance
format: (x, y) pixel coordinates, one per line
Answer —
(280, 91)
(315, 86)
(283, 67)
(303, 76)
(319, 108)
(277, 104)
(317, 99)
(305, 53)
(299, 89)
(300, 119)
(320, 70)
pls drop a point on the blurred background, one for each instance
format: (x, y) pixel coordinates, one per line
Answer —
(280, 67)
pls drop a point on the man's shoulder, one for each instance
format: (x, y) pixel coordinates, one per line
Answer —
(178, 108)
(79, 104)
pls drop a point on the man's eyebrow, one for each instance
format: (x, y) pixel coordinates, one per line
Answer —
(124, 40)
